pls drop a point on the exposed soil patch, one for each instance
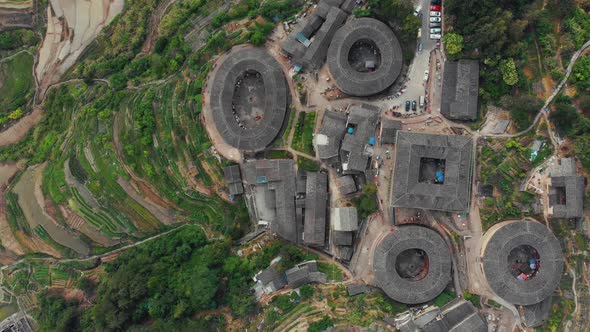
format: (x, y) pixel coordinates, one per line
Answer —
(18, 131)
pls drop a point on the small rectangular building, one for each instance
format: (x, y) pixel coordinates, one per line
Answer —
(460, 90)
(271, 187)
(346, 185)
(316, 205)
(345, 219)
(233, 178)
(305, 273)
(389, 129)
(359, 138)
(327, 141)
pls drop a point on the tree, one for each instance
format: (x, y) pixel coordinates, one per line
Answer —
(581, 72)
(17, 114)
(361, 12)
(321, 325)
(508, 70)
(523, 109)
(453, 43)
(410, 28)
(582, 148)
(306, 291)
(565, 117)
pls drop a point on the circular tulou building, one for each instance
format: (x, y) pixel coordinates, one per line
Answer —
(412, 264)
(249, 99)
(364, 57)
(522, 261)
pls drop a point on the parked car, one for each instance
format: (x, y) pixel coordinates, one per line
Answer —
(435, 8)
(437, 14)
(435, 19)
(420, 47)
(435, 30)
(426, 75)
(435, 36)
(435, 25)
(407, 106)
(414, 105)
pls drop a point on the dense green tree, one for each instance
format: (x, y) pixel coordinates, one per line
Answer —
(565, 117)
(523, 109)
(321, 325)
(392, 10)
(582, 148)
(453, 43)
(57, 314)
(508, 70)
(581, 72)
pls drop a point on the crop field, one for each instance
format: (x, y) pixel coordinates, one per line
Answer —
(304, 127)
(504, 165)
(16, 86)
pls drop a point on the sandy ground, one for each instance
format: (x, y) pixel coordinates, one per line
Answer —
(72, 26)
(18, 131)
(7, 238)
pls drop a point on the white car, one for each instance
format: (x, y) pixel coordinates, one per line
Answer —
(435, 19)
(433, 13)
(435, 36)
(426, 75)
(435, 30)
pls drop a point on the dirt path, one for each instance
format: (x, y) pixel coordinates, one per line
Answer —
(154, 25)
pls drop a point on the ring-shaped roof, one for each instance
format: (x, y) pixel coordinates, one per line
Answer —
(406, 290)
(500, 240)
(275, 102)
(347, 78)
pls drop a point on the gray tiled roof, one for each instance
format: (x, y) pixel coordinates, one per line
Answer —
(304, 273)
(342, 238)
(271, 279)
(500, 240)
(233, 178)
(347, 78)
(344, 252)
(316, 53)
(275, 104)
(408, 290)
(356, 289)
(316, 199)
(389, 129)
(454, 193)
(333, 127)
(575, 189)
(346, 184)
(277, 178)
(348, 6)
(353, 152)
(460, 90)
(345, 219)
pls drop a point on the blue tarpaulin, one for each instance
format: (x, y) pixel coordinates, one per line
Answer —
(351, 130)
(372, 140)
(440, 176)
